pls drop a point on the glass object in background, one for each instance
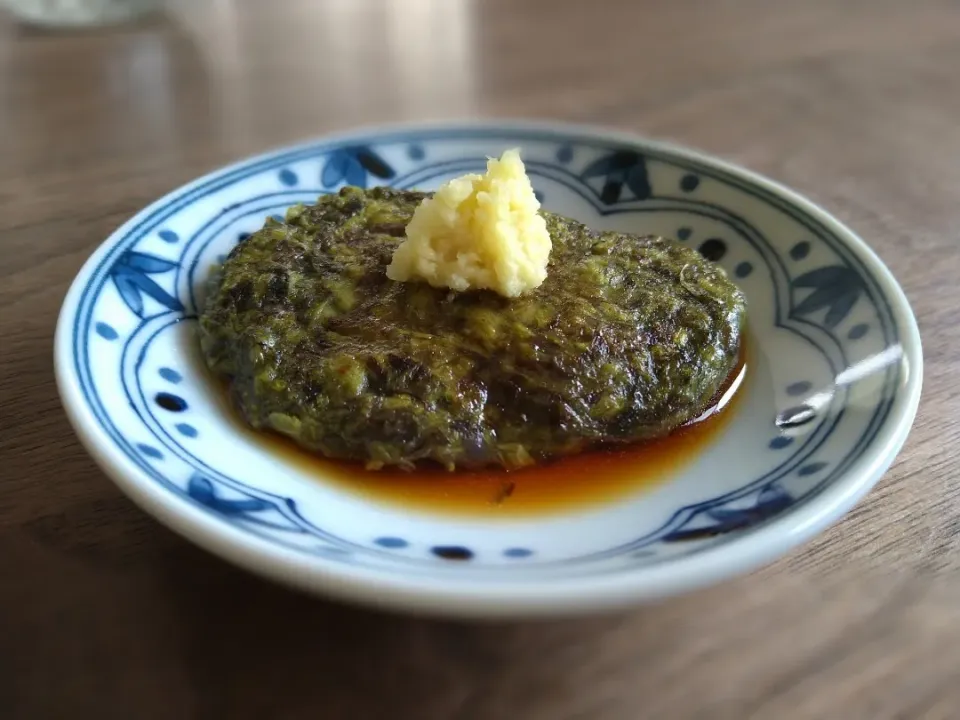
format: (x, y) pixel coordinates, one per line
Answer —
(78, 13)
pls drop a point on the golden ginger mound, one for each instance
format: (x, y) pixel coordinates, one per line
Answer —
(478, 232)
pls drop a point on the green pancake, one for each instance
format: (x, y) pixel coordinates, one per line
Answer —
(628, 338)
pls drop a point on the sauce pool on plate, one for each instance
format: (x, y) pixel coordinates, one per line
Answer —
(584, 480)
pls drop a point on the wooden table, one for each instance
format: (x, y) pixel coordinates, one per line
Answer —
(105, 614)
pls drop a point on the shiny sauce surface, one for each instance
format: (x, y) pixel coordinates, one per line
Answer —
(581, 481)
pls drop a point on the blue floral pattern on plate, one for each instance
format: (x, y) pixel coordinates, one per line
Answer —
(817, 310)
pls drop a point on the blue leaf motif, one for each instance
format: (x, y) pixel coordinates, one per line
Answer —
(817, 300)
(351, 165)
(611, 191)
(356, 175)
(830, 275)
(620, 168)
(838, 311)
(335, 169)
(614, 163)
(149, 287)
(202, 490)
(129, 293)
(373, 163)
(147, 263)
(638, 182)
(836, 288)
(774, 494)
(130, 276)
(771, 501)
(237, 507)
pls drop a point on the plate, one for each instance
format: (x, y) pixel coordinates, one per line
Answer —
(833, 383)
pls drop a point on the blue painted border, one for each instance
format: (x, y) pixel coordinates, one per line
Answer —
(159, 214)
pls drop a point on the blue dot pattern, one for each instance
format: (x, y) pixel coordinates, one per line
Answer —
(105, 331)
(452, 552)
(187, 430)
(518, 552)
(858, 331)
(781, 442)
(394, 543)
(171, 402)
(149, 451)
(800, 250)
(713, 249)
(170, 375)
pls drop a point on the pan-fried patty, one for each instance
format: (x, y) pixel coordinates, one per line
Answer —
(628, 338)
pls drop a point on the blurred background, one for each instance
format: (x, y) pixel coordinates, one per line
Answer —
(105, 105)
(187, 84)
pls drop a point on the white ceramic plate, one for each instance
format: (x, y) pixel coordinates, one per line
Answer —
(833, 382)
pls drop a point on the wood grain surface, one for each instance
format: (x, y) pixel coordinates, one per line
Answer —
(105, 614)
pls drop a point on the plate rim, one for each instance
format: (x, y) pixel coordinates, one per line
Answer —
(499, 598)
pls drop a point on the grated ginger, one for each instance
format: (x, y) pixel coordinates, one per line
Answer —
(478, 232)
